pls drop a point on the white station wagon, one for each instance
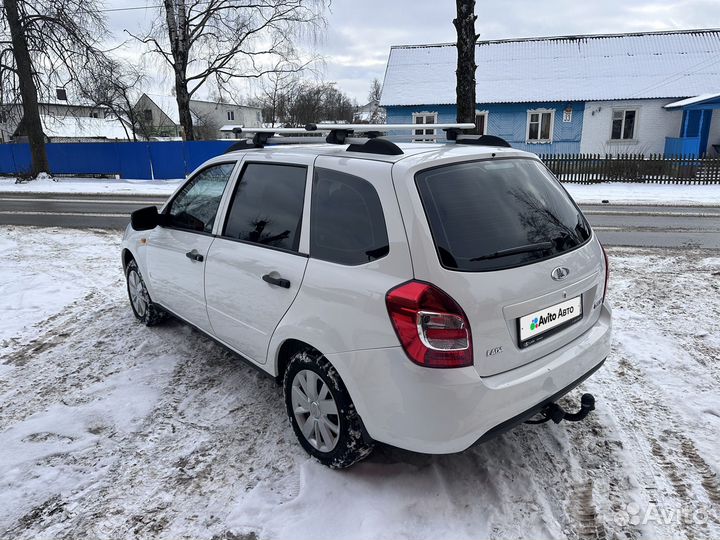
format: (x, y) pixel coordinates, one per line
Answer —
(423, 295)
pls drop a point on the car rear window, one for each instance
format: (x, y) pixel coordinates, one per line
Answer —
(496, 214)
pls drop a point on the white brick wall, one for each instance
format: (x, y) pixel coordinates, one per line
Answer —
(653, 124)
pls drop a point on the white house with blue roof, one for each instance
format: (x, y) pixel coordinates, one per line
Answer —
(639, 93)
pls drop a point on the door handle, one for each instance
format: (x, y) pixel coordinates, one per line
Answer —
(194, 256)
(280, 282)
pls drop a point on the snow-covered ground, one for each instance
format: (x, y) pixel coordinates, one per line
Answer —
(109, 429)
(630, 193)
(614, 192)
(90, 186)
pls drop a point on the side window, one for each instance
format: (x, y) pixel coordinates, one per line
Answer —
(267, 205)
(540, 125)
(424, 118)
(347, 225)
(195, 206)
(623, 124)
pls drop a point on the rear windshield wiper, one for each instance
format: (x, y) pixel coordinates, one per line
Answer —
(529, 248)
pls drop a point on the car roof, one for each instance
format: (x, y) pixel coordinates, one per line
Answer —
(414, 152)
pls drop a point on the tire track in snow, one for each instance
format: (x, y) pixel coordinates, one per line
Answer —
(189, 445)
(656, 428)
(709, 477)
(665, 473)
(603, 485)
(72, 360)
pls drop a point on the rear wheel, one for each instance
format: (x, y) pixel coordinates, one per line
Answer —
(321, 412)
(142, 306)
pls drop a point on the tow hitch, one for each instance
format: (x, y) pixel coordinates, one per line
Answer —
(554, 412)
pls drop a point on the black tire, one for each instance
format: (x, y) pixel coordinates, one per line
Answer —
(151, 314)
(350, 445)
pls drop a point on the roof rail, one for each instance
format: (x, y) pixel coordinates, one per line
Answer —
(242, 144)
(482, 140)
(377, 146)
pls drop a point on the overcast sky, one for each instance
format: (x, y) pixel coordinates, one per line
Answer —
(360, 32)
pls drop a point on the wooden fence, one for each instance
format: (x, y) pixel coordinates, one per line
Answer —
(655, 169)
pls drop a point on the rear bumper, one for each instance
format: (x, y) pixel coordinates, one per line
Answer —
(439, 411)
(532, 411)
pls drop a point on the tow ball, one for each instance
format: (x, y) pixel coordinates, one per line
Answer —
(554, 412)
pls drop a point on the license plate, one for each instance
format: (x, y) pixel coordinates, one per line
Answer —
(535, 326)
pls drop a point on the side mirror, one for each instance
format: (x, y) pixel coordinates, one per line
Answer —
(145, 219)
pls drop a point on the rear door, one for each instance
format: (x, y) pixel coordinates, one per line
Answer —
(256, 265)
(177, 251)
(493, 233)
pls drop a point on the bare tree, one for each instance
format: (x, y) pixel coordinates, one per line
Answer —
(113, 85)
(44, 45)
(375, 90)
(218, 41)
(295, 103)
(466, 39)
(378, 114)
(206, 127)
(275, 89)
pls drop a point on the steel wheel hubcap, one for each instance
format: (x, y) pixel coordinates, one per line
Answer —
(315, 410)
(137, 293)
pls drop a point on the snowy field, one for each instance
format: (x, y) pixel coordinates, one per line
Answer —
(614, 192)
(109, 429)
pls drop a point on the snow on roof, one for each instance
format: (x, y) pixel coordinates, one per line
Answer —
(83, 127)
(693, 100)
(570, 68)
(167, 104)
(225, 104)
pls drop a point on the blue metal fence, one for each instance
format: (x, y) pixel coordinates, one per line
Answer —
(142, 160)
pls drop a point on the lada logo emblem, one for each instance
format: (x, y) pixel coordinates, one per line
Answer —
(560, 273)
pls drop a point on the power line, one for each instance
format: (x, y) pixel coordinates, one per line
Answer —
(132, 8)
(673, 77)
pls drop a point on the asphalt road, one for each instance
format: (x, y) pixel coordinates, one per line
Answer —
(616, 225)
(68, 210)
(656, 226)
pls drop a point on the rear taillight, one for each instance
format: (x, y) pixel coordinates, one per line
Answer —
(431, 326)
(607, 271)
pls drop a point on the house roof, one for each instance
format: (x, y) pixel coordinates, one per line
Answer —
(169, 106)
(697, 100)
(224, 104)
(674, 64)
(77, 127)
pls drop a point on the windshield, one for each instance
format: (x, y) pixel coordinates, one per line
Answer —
(496, 214)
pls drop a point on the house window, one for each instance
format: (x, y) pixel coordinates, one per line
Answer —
(481, 118)
(93, 114)
(540, 125)
(147, 114)
(623, 124)
(231, 115)
(424, 134)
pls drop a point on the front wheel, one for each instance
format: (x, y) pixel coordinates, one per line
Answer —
(143, 308)
(321, 412)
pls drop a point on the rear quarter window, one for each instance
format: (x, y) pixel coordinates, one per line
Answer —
(496, 214)
(347, 225)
